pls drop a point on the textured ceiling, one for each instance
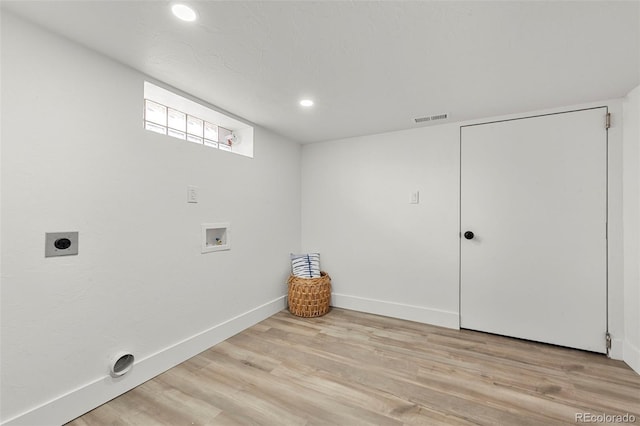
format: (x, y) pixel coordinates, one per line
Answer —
(371, 67)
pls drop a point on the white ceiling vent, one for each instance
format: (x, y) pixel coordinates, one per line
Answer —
(431, 118)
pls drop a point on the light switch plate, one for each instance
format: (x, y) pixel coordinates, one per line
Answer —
(60, 244)
(192, 194)
(415, 197)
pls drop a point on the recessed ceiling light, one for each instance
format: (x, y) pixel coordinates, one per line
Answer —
(306, 102)
(184, 12)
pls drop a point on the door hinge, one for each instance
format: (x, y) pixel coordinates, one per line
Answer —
(607, 121)
(608, 342)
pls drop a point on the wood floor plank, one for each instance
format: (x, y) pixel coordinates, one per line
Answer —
(352, 368)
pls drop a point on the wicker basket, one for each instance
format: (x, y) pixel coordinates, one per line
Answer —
(309, 297)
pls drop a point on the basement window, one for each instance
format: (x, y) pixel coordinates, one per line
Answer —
(178, 117)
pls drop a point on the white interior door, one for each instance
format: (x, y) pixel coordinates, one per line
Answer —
(533, 192)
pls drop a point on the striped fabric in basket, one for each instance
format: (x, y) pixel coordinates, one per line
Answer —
(306, 265)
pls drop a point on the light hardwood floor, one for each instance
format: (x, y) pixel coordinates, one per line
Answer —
(351, 368)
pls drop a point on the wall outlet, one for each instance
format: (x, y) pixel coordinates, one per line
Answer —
(60, 244)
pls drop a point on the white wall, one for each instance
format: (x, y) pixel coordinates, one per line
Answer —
(76, 158)
(631, 197)
(384, 254)
(390, 257)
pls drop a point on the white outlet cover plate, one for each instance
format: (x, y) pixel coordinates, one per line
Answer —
(50, 249)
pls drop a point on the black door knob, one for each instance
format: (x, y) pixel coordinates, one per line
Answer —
(469, 235)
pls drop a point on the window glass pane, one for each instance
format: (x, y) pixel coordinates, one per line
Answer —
(222, 135)
(210, 131)
(177, 120)
(195, 139)
(170, 114)
(177, 134)
(155, 112)
(195, 126)
(155, 128)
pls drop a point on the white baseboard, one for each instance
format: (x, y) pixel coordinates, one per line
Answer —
(631, 356)
(78, 401)
(397, 310)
